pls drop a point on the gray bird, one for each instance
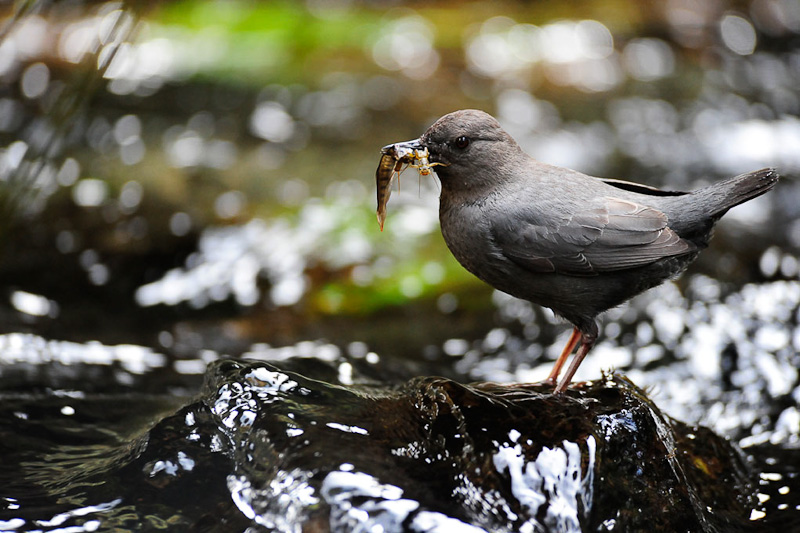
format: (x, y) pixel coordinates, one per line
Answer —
(561, 239)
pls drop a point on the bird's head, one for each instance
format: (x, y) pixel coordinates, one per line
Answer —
(468, 149)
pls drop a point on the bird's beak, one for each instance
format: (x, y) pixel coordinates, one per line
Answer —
(399, 150)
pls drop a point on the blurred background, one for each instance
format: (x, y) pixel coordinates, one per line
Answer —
(197, 177)
(188, 181)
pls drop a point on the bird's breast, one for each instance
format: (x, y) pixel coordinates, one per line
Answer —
(467, 232)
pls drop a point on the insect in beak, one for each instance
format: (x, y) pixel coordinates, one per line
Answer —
(395, 159)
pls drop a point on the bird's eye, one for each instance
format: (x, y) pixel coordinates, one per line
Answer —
(462, 142)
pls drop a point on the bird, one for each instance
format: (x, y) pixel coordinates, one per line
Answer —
(564, 240)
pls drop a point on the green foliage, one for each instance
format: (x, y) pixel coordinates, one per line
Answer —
(271, 42)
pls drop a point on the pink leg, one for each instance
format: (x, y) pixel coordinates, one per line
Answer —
(573, 340)
(586, 345)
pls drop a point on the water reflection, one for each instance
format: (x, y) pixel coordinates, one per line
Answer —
(713, 359)
(25, 351)
(265, 445)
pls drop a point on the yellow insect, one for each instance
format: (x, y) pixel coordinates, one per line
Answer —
(424, 166)
(395, 159)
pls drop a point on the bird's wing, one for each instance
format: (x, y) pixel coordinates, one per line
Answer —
(611, 235)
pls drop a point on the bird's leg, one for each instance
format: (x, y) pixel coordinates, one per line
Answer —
(587, 341)
(552, 379)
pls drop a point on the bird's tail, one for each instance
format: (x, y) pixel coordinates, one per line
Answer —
(729, 193)
(693, 215)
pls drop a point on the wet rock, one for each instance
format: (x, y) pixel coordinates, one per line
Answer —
(436, 453)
